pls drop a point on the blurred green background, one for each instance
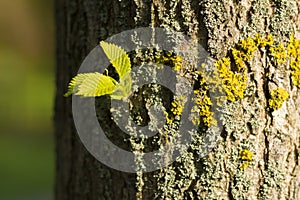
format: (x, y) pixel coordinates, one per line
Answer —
(26, 103)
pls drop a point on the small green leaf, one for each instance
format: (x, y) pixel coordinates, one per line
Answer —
(118, 58)
(75, 83)
(123, 88)
(91, 85)
(96, 84)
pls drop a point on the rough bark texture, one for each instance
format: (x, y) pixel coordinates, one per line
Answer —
(273, 137)
(81, 25)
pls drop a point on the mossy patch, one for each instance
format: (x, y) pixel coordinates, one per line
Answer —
(278, 96)
(246, 157)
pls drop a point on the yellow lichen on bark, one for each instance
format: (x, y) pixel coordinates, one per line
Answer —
(278, 96)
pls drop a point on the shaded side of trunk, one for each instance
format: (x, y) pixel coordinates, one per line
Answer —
(80, 26)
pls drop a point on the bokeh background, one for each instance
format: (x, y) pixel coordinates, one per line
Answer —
(26, 104)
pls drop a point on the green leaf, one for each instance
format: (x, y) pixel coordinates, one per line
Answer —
(118, 58)
(75, 83)
(123, 88)
(91, 85)
(96, 84)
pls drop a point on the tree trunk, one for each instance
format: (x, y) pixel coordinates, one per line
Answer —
(272, 136)
(80, 27)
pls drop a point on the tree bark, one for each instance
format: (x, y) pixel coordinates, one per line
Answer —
(81, 25)
(217, 25)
